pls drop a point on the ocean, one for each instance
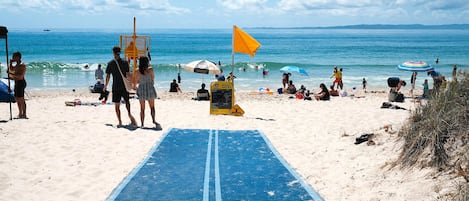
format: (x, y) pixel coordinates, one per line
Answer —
(55, 59)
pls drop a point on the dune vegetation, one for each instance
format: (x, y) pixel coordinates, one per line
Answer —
(437, 135)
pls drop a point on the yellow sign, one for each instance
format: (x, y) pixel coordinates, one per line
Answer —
(237, 110)
(221, 98)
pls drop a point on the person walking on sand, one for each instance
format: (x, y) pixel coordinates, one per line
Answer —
(341, 83)
(364, 84)
(146, 89)
(337, 76)
(425, 89)
(412, 82)
(455, 74)
(118, 88)
(99, 74)
(285, 79)
(17, 72)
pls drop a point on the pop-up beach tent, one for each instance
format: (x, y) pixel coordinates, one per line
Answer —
(5, 92)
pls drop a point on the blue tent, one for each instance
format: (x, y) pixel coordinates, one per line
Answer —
(6, 94)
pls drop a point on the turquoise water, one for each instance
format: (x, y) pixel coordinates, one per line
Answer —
(55, 59)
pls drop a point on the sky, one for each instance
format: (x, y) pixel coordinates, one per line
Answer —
(116, 14)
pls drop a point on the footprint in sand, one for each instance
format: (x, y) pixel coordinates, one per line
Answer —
(3, 182)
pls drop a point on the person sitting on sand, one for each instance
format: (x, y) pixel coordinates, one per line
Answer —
(324, 94)
(300, 94)
(307, 95)
(333, 92)
(202, 93)
(291, 89)
(302, 89)
(394, 95)
(174, 87)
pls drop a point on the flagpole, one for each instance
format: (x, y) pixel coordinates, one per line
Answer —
(232, 54)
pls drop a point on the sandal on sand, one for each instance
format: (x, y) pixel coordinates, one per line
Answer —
(157, 125)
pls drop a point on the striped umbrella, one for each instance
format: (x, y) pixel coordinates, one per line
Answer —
(415, 66)
(203, 67)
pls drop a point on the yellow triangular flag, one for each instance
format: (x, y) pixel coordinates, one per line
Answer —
(244, 43)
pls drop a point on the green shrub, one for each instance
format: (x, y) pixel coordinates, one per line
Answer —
(438, 130)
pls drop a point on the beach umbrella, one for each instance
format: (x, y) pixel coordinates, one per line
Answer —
(202, 67)
(294, 69)
(415, 66)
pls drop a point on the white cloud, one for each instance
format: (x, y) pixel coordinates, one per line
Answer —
(36, 4)
(292, 5)
(375, 8)
(149, 5)
(242, 4)
(94, 6)
(183, 13)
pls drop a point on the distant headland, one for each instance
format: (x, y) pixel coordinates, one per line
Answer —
(380, 26)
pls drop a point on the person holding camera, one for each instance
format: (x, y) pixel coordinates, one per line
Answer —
(16, 71)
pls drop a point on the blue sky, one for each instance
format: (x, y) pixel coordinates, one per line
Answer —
(20, 14)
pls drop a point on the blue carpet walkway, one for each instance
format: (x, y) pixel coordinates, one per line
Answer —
(203, 165)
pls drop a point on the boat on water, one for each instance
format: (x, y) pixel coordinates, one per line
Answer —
(46, 30)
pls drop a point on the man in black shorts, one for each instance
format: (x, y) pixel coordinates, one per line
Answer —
(17, 72)
(118, 87)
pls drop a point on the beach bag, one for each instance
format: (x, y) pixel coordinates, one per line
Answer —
(98, 87)
(280, 91)
(395, 97)
(400, 97)
(127, 84)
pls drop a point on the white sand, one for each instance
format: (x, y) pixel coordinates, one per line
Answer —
(68, 153)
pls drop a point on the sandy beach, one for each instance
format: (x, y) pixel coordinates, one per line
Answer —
(71, 153)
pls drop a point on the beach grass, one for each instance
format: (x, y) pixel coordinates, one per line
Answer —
(437, 135)
(462, 192)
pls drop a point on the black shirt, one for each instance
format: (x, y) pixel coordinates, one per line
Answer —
(117, 81)
(326, 96)
(173, 87)
(203, 91)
